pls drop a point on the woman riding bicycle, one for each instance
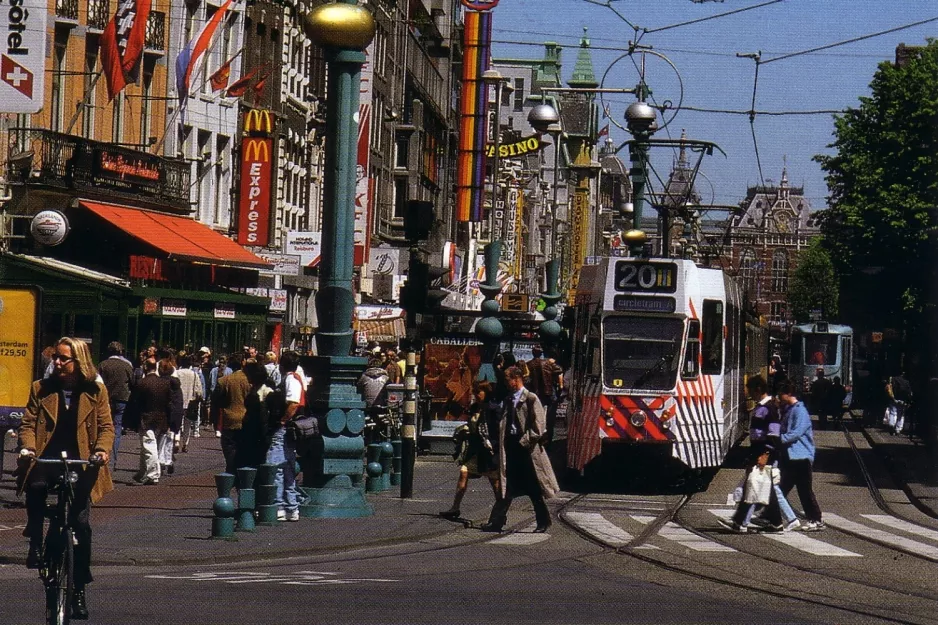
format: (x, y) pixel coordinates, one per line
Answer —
(67, 412)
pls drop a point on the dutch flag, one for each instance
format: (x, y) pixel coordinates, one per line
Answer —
(194, 51)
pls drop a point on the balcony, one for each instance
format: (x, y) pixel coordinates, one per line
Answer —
(99, 12)
(66, 10)
(78, 166)
(155, 39)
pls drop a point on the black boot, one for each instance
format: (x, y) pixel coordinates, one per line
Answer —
(32, 558)
(79, 607)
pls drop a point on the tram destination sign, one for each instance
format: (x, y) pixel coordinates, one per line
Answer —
(645, 277)
(633, 303)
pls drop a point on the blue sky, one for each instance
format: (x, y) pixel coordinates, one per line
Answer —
(713, 77)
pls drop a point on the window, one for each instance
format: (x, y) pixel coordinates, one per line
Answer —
(400, 197)
(91, 62)
(57, 110)
(117, 125)
(145, 108)
(222, 180)
(519, 95)
(692, 354)
(748, 270)
(820, 349)
(780, 271)
(777, 312)
(712, 327)
(641, 352)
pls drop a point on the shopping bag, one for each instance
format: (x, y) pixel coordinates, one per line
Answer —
(759, 486)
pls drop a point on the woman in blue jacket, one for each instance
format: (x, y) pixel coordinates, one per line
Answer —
(797, 457)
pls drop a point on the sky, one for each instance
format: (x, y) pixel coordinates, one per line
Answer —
(704, 55)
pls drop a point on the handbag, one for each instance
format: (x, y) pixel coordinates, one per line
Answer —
(303, 428)
(193, 409)
(759, 486)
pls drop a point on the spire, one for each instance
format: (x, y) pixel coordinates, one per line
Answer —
(682, 162)
(784, 182)
(583, 75)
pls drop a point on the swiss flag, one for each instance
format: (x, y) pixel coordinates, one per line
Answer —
(17, 76)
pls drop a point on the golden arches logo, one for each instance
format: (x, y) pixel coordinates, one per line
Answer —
(259, 120)
(257, 150)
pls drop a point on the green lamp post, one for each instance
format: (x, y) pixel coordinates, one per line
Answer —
(642, 123)
(489, 328)
(344, 30)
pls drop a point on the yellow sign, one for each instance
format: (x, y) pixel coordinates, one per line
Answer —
(259, 121)
(515, 148)
(19, 308)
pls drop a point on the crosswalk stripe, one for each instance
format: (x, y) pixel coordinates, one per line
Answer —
(596, 525)
(686, 538)
(905, 526)
(913, 546)
(796, 540)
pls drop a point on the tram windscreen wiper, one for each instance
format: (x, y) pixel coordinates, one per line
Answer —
(667, 358)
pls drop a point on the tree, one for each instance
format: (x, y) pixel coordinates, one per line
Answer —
(883, 184)
(813, 285)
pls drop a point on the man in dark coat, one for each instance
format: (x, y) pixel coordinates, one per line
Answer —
(118, 376)
(151, 404)
(229, 409)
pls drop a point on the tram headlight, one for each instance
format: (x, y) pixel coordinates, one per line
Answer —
(637, 419)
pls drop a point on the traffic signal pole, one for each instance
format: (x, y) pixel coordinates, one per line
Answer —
(409, 414)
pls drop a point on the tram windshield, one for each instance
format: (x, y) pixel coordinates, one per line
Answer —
(820, 349)
(641, 352)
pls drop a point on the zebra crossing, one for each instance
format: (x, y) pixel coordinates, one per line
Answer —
(883, 529)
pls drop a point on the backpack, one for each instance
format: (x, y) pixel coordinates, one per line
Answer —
(901, 390)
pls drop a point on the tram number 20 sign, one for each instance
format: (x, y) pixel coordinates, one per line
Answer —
(645, 277)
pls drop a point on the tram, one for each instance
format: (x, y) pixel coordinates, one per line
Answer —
(820, 345)
(661, 349)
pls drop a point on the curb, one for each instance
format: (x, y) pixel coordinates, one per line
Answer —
(900, 477)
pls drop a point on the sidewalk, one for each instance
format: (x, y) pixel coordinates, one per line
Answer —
(907, 460)
(170, 523)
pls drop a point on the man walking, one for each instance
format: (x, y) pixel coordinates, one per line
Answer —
(150, 404)
(797, 458)
(900, 396)
(542, 377)
(118, 376)
(282, 449)
(820, 400)
(228, 408)
(524, 467)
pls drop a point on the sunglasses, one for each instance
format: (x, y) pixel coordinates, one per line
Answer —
(63, 359)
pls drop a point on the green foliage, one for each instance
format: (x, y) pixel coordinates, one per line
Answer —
(813, 285)
(883, 184)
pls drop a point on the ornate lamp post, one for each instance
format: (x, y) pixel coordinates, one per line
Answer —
(344, 30)
(641, 121)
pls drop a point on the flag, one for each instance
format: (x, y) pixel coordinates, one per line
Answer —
(193, 52)
(122, 44)
(239, 87)
(604, 132)
(259, 86)
(220, 78)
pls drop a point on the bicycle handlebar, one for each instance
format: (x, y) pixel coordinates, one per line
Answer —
(67, 461)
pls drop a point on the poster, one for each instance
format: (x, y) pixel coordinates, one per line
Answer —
(19, 308)
(450, 368)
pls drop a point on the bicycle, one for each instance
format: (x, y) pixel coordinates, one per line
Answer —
(57, 557)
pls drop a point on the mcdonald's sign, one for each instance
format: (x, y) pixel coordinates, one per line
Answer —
(259, 122)
(254, 206)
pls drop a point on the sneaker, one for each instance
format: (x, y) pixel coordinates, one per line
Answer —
(814, 526)
(733, 526)
(281, 515)
(760, 521)
(292, 515)
(196, 434)
(217, 434)
(792, 526)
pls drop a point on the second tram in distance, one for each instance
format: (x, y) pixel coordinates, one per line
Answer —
(661, 350)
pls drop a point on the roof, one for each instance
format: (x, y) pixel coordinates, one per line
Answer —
(71, 270)
(180, 238)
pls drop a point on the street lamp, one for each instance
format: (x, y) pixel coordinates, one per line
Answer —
(545, 118)
(344, 30)
(642, 123)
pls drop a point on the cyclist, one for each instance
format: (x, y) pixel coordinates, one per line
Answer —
(69, 398)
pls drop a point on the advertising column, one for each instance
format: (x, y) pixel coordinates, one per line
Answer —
(19, 310)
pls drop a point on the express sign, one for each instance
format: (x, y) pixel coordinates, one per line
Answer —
(253, 222)
(22, 55)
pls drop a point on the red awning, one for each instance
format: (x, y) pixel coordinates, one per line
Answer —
(180, 238)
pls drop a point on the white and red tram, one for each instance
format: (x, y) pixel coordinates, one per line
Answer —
(657, 360)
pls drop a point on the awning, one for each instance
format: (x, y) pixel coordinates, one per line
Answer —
(180, 238)
(381, 330)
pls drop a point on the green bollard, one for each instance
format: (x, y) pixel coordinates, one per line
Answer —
(373, 456)
(246, 499)
(387, 450)
(224, 507)
(266, 494)
(396, 459)
(374, 485)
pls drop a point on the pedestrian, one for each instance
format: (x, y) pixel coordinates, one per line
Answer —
(371, 384)
(205, 366)
(764, 443)
(79, 409)
(820, 402)
(218, 372)
(899, 392)
(797, 458)
(543, 376)
(393, 368)
(477, 455)
(252, 446)
(776, 373)
(282, 448)
(167, 442)
(228, 410)
(273, 370)
(837, 400)
(118, 376)
(191, 385)
(150, 406)
(524, 468)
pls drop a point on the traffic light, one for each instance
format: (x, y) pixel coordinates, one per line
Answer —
(418, 220)
(436, 293)
(423, 291)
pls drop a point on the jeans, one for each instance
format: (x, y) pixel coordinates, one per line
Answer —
(164, 446)
(745, 511)
(798, 473)
(895, 416)
(282, 453)
(149, 456)
(117, 415)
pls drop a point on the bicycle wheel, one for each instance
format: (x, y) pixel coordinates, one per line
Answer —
(59, 586)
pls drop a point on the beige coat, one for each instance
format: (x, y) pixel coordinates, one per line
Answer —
(95, 427)
(534, 426)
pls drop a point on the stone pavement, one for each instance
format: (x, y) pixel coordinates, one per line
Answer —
(170, 523)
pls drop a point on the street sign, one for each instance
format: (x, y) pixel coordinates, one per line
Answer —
(22, 55)
(515, 302)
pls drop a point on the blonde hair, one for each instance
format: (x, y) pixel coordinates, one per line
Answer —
(82, 356)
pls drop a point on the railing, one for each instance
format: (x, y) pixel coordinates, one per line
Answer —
(99, 12)
(67, 9)
(156, 32)
(44, 157)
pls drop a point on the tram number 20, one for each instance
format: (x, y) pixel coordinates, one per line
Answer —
(648, 277)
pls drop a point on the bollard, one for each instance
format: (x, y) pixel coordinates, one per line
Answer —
(396, 462)
(246, 499)
(224, 507)
(373, 456)
(387, 450)
(374, 472)
(266, 492)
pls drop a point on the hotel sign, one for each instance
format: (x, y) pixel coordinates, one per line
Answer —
(256, 167)
(22, 55)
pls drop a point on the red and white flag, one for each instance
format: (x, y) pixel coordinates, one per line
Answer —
(219, 79)
(603, 132)
(122, 44)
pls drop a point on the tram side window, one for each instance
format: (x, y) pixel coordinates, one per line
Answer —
(712, 348)
(690, 369)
